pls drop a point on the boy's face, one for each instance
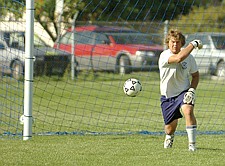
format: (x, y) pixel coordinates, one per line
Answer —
(174, 45)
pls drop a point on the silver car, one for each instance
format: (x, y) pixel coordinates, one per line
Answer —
(211, 58)
(47, 60)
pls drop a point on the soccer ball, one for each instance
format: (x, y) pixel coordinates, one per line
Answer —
(132, 87)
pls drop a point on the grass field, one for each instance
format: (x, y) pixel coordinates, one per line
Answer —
(120, 150)
(96, 103)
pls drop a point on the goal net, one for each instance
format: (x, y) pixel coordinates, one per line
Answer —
(85, 51)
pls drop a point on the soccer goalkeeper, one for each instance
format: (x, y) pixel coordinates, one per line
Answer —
(177, 88)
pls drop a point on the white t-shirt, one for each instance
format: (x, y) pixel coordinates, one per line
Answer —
(174, 78)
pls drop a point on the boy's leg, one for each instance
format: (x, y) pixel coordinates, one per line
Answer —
(191, 125)
(192, 132)
(169, 130)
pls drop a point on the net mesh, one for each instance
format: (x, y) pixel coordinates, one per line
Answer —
(85, 96)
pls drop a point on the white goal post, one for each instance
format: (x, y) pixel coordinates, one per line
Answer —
(28, 79)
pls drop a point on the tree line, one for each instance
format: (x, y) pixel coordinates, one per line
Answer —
(176, 11)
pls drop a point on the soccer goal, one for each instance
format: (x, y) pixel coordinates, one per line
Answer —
(81, 53)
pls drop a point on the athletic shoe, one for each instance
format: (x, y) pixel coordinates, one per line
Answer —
(168, 143)
(192, 147)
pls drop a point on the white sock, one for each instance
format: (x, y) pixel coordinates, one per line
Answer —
(169, 136)
(192, 132)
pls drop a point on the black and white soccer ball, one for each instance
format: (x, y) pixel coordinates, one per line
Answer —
(132, 87)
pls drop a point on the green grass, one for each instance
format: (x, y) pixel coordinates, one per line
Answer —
(96, 103)
(109, 150)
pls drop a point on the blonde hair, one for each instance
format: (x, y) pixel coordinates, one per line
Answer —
(175, 33)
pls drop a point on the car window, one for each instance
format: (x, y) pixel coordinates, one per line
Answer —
(6, 37)
(132, 38)
(204, 38)
(2, 45)
(15, 39)
(101, 38)
(219, 42)
(66, 38)
(85, 37)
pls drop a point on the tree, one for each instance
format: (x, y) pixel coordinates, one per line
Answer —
(45, 14)
(202, 19)
(16, 7)
(116, 10)
(143, 10)
(110, 10)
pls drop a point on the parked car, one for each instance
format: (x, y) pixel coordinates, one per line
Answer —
(47, 60)
(111, 48)
(211, 58)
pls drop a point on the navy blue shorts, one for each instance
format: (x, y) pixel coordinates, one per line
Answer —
(171, 107)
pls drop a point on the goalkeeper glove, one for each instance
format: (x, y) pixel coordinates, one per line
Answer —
(189, 96)
(197, 44)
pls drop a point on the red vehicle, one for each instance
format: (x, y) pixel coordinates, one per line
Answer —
(111, 48)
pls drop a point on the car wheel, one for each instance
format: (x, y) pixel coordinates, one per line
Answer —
(123, 66)
(220, 71)
(17, 70)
